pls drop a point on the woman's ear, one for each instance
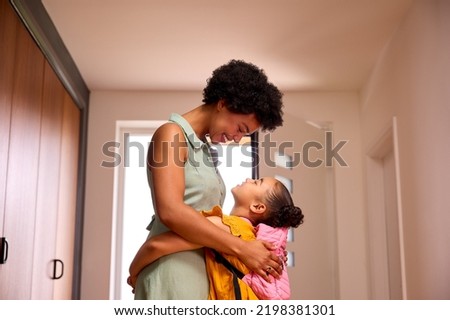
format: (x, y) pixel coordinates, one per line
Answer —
(221, 104)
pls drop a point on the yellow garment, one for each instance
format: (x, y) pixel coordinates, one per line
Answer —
(220, 278)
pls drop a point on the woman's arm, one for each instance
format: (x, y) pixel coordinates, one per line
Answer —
(155, 248)
(161, 245)
(167, 154)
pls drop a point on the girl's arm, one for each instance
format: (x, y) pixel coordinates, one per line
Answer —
(162, 245)
(167, 154)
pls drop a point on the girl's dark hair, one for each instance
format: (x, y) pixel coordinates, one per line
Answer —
(281, 211)
(246, 90)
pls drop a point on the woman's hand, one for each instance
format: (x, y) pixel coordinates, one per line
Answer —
(258, 256)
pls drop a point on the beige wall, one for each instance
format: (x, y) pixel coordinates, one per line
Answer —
(341, 111)
(412, 82)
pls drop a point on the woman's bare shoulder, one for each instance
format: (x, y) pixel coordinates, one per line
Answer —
(169, 132)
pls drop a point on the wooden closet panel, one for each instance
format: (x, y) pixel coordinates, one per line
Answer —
(67, 197)
(8, 30)
(48, 186)
(20, 206)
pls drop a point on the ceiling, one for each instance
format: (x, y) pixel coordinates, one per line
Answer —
(303, 45)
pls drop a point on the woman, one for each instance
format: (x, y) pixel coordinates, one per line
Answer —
(238, 100)
(266, 204)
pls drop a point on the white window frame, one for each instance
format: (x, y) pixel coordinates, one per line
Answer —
(123, 127)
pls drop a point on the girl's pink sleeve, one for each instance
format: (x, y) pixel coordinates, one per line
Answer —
(277, 289)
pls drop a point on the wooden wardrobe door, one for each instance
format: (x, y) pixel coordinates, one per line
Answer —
(8, 34)
(22, 173)
(48, 187)
(67, 196)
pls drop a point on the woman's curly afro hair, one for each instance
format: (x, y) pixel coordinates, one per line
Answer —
(246, 90)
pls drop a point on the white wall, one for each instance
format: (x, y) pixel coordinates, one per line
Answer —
(412, 82)
(339, 109)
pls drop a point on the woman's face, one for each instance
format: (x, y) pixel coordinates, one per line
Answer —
(229, 126)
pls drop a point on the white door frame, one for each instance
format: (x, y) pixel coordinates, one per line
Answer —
(386, 142)
(122, 127)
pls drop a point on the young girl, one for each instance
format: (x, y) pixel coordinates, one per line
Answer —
(264, 203)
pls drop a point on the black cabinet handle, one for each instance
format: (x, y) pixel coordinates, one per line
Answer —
(55, 262)
(3, 250)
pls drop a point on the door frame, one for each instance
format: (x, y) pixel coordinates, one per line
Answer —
(386, 142)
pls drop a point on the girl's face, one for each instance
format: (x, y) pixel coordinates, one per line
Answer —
(253, 190)
(229, 126)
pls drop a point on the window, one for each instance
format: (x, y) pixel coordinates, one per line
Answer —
(133, 207)
(137, 206)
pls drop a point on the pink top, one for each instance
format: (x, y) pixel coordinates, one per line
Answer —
(277, 289)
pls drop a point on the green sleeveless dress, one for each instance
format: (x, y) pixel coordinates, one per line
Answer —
(182, 276)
